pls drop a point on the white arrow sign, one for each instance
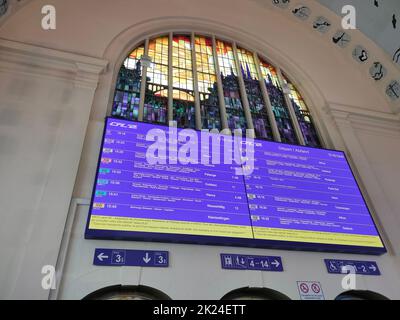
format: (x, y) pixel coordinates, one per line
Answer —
(102, 256)
(373, 268)
(276, 263)
(147, 259)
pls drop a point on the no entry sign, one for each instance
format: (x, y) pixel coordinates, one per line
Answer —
(310, 290)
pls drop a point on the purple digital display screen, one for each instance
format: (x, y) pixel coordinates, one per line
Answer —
(276, 196)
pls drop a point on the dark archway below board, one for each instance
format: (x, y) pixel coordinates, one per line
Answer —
(360, 295)
(120, 292)
(255, 294)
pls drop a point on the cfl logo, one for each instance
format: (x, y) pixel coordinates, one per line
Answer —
(123, 125)
(49, 279)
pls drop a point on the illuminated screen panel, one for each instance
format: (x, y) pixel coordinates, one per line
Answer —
(302, 194)
(295, 197)
(135, 196)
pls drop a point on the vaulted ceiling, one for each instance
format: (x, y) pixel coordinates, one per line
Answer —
(377, 19)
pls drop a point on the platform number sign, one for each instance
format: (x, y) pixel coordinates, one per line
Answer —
(133, 258)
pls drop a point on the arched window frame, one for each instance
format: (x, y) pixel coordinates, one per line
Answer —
(223, 116)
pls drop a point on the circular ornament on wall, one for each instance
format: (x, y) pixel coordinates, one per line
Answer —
(321, 24)
(342, 39)
(393, 90)
(3, 7)
(377, 71)
(281, 3)
(302, 12)
(360, 54)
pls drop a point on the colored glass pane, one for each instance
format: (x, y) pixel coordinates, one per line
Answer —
(182, 80)
(156, 100)
(303, 116)
(255, 98)
(127, 90)
(207, 83)
(233, 101)
(278, 103)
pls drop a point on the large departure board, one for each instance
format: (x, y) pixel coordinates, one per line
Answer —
(291, 197)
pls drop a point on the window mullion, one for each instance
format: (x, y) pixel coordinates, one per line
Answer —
(143, 82)
(221, 98)
(196, 85)
(292, 113)
(243, 94)
(267, 101)
(170, 80)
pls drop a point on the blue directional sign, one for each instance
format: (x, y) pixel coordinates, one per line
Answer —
(368, 268)
(137, 258)
(245, 262)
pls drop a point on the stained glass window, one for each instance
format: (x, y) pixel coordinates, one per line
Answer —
(207, 83)
(156, 99)
(279, 106)
(183, 94)
(193, 66)
(303, 116)
(230, 83)
(258, 110)
(127, 91)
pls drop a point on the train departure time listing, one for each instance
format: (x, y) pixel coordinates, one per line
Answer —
(293, 194)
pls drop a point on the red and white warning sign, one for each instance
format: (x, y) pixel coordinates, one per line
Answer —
(310, 290)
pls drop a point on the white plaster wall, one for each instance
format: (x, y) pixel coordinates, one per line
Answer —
(45, 120)
(45, 101)
(195, 271)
